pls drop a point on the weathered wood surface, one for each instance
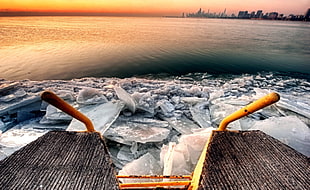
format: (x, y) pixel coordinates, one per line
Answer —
(253, 160)
(60, 160)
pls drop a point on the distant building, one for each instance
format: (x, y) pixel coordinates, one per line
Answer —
(243, 14)
(259, 14)
(307, 15)
(281, 17)
(273, 15)
(223, 14)
(252, 15)
(199, 12)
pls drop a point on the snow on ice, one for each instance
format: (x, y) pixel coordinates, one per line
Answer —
(156, 125)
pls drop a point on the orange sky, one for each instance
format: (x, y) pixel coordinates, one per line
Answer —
(157, 7)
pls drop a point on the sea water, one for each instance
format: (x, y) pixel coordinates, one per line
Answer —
(40, 48)
(153, 85)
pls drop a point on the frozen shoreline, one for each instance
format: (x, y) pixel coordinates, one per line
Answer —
(156, 119)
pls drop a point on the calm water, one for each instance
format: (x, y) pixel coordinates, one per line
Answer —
(39, 48)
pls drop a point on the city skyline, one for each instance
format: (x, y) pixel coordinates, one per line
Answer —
(153, 7)
(245, 14)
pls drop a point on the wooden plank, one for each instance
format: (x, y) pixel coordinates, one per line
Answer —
(60, 160)
(252, 160)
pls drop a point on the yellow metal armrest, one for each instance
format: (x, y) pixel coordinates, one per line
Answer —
(251, 108)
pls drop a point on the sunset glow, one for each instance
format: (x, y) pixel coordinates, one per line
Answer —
(155, 7)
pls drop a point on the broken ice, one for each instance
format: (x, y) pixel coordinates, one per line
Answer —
(146, 164)
(181, 158)
(126, 98)
(128, 130)
(89, 96)
(171, 114)
(101, 115)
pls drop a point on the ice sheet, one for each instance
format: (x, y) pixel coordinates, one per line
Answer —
(201, 114)
(55, 115)
(146, 164)
(126, 98)
(102, 116)
(128, 130)
(181, 158)
(181, 123)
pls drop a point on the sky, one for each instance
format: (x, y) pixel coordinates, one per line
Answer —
(156, 7)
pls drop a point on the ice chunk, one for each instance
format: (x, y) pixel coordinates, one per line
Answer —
(15, 139)
(26, 102)
(290, 130)
(143, 130)
(174, 159)
(56, 115)
(216, 94)
(181, 159)
(295, 104)
(2, 126)
(89, 96)
(66, 95)
(195, 143)
(125, 154)
(25, 108)
(145, 102)
(124, 96)
(145, 165)
(201, 114)
(196, 91)
(220, 111)
(8, 86)
(193, 100)
(181, 124)
(166, 157)
(113, 150)
(166, 107)
(102, 116)
(35, 125)
(18, 94)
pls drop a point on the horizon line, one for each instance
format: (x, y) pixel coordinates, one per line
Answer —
(12, 12)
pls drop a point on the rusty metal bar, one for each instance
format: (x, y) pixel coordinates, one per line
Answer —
(154, 184)
(53, 99)
(155, 176)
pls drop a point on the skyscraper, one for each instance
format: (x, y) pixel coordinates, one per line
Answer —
(259, 14)
(307, 15)
(243, 14)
